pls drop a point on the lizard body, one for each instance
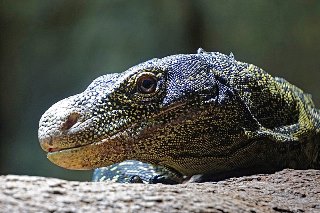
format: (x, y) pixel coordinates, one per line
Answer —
(180, 116)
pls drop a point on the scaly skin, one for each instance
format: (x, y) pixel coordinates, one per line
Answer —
(184, 115)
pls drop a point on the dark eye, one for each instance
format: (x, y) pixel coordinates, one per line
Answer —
(147, 84)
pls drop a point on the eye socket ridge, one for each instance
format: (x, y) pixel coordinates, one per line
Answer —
(147, 83)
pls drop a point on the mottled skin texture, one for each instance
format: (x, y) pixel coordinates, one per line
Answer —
(183, 115)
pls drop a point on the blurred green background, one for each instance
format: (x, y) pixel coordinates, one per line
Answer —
(53, 49)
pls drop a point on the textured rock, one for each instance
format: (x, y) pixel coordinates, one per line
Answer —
(285, 191)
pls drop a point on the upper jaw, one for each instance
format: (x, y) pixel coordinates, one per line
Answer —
(62, 125)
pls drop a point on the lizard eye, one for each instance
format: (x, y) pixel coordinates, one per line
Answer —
(147, 84)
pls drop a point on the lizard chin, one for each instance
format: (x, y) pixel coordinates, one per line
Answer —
(86, 157)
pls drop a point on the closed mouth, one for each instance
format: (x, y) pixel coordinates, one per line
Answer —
(51, 150)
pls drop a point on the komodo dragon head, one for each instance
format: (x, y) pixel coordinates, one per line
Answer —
(177, 111)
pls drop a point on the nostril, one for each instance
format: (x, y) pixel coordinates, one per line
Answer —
(71, 120)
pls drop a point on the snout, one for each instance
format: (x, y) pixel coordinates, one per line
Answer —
(60, 126)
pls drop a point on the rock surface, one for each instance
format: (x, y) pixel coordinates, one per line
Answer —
(284, 191)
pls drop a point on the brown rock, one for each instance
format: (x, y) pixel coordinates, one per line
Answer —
(284, 191)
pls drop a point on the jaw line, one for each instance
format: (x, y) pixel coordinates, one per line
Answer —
(74, 149)
(100, 153)
(90, 156)
(121, 131)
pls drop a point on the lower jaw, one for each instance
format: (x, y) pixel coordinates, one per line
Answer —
(90, 156)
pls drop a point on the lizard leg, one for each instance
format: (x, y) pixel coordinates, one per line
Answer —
(132, 171)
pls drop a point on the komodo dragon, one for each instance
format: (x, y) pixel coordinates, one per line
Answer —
(194, 115)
